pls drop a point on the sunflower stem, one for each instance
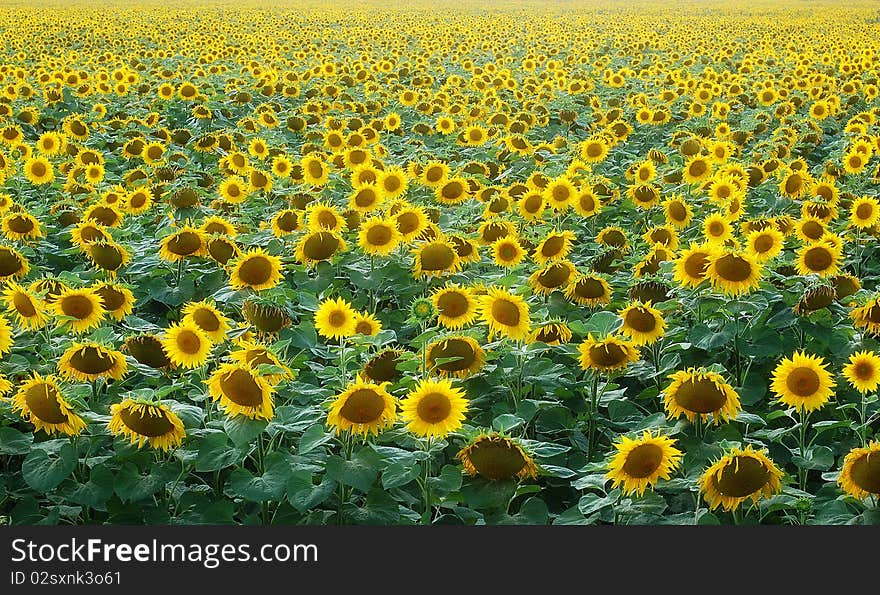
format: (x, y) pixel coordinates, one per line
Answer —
(426, 485)
(802, 443)
(179, 272)
(594, 398)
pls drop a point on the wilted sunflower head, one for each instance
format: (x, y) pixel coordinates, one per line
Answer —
(265, 317)
(740, 475)
(315, 247)
(495, 457)
(85, 362)
(458, 355)
(867, 316)
(146, 422)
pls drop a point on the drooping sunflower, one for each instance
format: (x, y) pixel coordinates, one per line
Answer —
(642, 323)
(28, 311)
(821, 259)
(335, 318)
(607, 354)
(108, 256)
(733, 272)
(641, 462)
(87, 232)
(764, 244)
(554, 276)
(803, 382)
(378, 236)
(556, 244)
(241, 390)
(208, 318)
(497, 457)
(21, 226)
(40, 402)
(187, 241)
(79, 310)
(256, 269)
(435, 257)
(863, 371)
(12, 264)
(860, 475)
(148, 350)
(434, 408)
(589, 290)
(363, 408)
(505, 313)
(456, 306)
(144, 422)
(118, 300)
(740, 475)
(265, 317)
(867, 316)
(187, 345)
(382, 367)
(319, 246)
(700, 392)
(85, 362)
(551, 333)
(366, 324)
(678, 211)
(458, 355)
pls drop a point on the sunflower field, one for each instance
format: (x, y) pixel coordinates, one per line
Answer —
(499, 263)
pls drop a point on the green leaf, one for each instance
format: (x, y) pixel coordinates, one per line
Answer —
(397, 475)
(601, 324)
(448, 481)
(820, 458)
(360, 472)
(257, 488)
(43, 471)
(216, 453)
(506, 422)
(312, 438)
(95, 492)
(242, 430)
(13, 442)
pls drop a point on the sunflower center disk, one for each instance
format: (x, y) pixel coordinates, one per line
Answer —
(107, 257)
(496, 460)
(363, 406)
(42, 400)
(9, 263)
(434, 408)
(803, 382)
(147, 421)
(818, 259)
(206, 320)
(241, 388)
(320, 246)
(643, 461)
(589, 289)
(641, 320)
(255, 271)
(24, 305)
(378, 235)
(607, 355)
(89, 360)
(437, 257)
(184, 243)
(555, 276)
(866, 473)
(700, 396)
(78, 306)
(505, 313)
(742, 477)
(453, 348)
(452, 304)
(733, 268)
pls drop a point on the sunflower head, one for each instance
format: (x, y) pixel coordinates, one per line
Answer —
(266, 317)
(434, 408)
(803, 382)
(505, 313)
(85, 362)
(241, 390)
(642, 323)
(187, 345)
(860, 475)
(364, 408)
(40, 401)
(148, 350)
(740, 475)
(700, 392)
(641, 462)
(495, 457)
(208, 318)
(551, 333)
(335, 319)
(382, 367)
(255, 269)
(458, 355)
(78, 310)
(863, 371)
(144, 422)
(733, 272)
(607, 354)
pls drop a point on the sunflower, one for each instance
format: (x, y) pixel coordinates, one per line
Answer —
(28, 311)
(551, 333)
(868, 315)
(382, 367)
(40, 401)
(819, 259)
(435, 257)
(107, 256)
(863, 371)
(256, 269)
(452, 191)
(639, 463)
(241, 390)
(79, 310)
(39, 171)
(733, 272)
(320, 216)
(392, 183)
(700, 392)
(860, 475)
(145, 422)
(717, 229)
(810, 229)
(607, 354)
(218, 226)
(554, 245)
(507, 252)
(697, 169)
(455, 305)
(187, 345)
(764, 244)
(255, 354)
(692, 264)
(148, 350)
(495, 457)
(411, 222)
(233, 190)
(186, 241)
(559, 194)
(222, 249)
(378, 236)
(458, 355)
(677, 211)
(87, 232)
(803, 382)
(505, 313)
(284, 222)
(740, 475)
(208, 318)
(366, 324)
(319, 246)
(21, 226)
(85, 362)
(335, 318)
(642, 323)
(265, 317)
(555, 275)
(434, 408)
(664, 235)
(864, 212)
(12, 264)
(362, 408)
(595, 149)
(589, 290)
(614, 237)
(531, 205)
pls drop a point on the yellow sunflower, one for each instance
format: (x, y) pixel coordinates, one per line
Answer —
(187, 345)
(733, 272)
(335, 318)
(378, 236)
(864, 212)
(256, 269)
(764, 244)
(803, 382)
(435, 257)
(863, 371)
(692, 264)
(640, 463)
(40, 402)
(362, 408)
(507, 252)
(496, 457)
(241, 390)
(144, 422)
(255, 355)
(607, 354)
(589, 290)
(821, 259)
(118, 301)
(21, 226)
(642, 323)
(553, 276)
(551, 333)
(434, 408)
(740, 475)
(78, 310)
(186, 241)
(458, 355)
(28, 311)
(85, 362)
(860, 475)
(505, 313)
(285, 222)
(700, 392)
(456, 306)
(208, 318)
(12, 264)
(867, 316)
(316, 247)
(107, 256)
(556, 244)
(366, 324)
